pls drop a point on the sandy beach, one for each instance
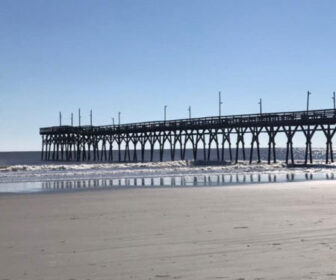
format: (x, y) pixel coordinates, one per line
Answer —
(268, 231)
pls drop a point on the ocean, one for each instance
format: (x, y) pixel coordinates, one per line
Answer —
(34, 158)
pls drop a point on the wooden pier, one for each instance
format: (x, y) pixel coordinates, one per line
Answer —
(98, 143)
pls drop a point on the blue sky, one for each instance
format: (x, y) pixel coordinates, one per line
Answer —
(137, 56)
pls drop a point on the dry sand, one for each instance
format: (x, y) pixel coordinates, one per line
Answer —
(271, 231)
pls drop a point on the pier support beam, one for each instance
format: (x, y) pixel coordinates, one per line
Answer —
(329, 134)
(255, 131)
(309, 135)
(226, 138)
(271, 131)
(110, 158)
(240, 139)
(42, 150)
(213, 137)
(127, 155)
(199, 138)
(103, 149)
(119, 149)
(290, 132)
(135, 152)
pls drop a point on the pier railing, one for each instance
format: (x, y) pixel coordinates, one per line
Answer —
(285, 118)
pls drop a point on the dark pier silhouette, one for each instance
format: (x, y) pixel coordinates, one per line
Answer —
(98, 143)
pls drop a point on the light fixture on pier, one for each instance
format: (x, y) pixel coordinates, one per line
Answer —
(60, 118)
(165, 112)
(260, 106)
(220, 103)
(308, 94)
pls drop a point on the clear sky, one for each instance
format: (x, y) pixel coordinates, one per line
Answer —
(137, 56)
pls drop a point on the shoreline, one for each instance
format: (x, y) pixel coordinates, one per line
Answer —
(236, 232)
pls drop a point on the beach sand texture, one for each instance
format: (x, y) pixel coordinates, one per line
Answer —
(270, 231)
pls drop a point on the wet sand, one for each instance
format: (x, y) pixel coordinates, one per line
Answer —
(269, 231)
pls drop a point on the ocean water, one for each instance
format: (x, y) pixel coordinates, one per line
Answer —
(22, 172)
(34, 158)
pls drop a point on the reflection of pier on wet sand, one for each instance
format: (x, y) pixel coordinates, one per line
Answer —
(263, 231)
(183, 181)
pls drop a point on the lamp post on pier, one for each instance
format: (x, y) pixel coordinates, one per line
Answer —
(71, 119)
(60, 118)
(91, 117)
(308, 94)
(165, 113)
(334, 101)
(79, 117)
(220, 104)
(119, 113)
(189, 109)
(260, 106)
(113, 121)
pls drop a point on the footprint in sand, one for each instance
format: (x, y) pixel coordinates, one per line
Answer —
(242, 227)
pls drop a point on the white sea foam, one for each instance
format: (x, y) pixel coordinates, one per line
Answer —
(84, 166)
